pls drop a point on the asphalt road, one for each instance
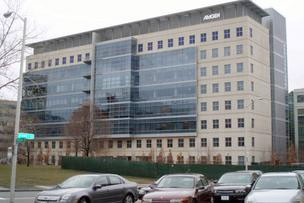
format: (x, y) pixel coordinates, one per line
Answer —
(21, 197)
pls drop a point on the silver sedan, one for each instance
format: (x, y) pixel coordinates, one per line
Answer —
(277, 188)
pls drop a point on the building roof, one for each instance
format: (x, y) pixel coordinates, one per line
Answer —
(248, 3)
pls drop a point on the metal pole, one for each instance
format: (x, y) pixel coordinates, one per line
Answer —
(17, 120)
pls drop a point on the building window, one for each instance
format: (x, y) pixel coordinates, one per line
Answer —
(87, 56)
(71, 59)
(159, 143)
(29, 66)
(203, 54)
(215, 35)
(140, 48)
(204, 106)
(252, 86)
(149, 143)
(204, 89)
(39, 145)
(251, 32)
(239, 49)
(192, 39)
(180, 142)
(228, 105)
(300, 99)
(191, 159)
(215, 87)
(227, 34)
(129, 143)
(110, 144)
(252, 104)
(240, 103)
(63, 60)
(228, 123)
(79, 58)
(138, 143)
(215, 106)
(150, 46)
(203, 124)
(241, 141)
(181, 41)
(227, 68)
(252, 142)
(53, 145)
(60, 144)
(216, 142)
(42, 64)
(228, 141)
(251, 68)
(241, 122)
(251, 50)
(228, 160)
(49, 62)
(241, 160)
(101, 144)
(203, 142)
(215, 53)
(240, 85)
(252, 123)
(227, 86)
(169, 143)
(160, 44)
(239, 67)
(68, 144)
(119, 144)
(239, 31)
(215, 70)
(192, 142)
(252, 159)
(170, 42)
(203, 37)
(56, 61)
(216, 124)
(36, 65)
(203, 71)
(227, 51)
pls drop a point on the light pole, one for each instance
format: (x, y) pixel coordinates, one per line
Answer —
(246, 126)
(18, 109)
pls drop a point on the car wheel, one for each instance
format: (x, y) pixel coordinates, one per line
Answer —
(83, 200)
(128, 199)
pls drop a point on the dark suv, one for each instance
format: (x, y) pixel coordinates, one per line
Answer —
(234, 186)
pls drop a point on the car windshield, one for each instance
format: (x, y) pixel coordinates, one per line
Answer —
(235, 178)
(176, 182)
(78, 182)
(277, 183)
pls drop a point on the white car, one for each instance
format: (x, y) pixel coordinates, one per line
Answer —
(277, 188)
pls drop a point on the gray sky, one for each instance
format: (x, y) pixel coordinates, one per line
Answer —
(63, 17)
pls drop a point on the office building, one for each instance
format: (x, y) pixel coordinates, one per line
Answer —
(199, 85)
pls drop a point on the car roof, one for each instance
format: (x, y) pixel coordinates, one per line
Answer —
(240, 172)
(185, 174)
(279, 174)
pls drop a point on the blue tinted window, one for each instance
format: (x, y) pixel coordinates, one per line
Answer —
(239, 31)
(79, 58)
(160, 44)
(180, 41)
(203, 37)
(170, 42)
(227, 34)
(140, 48)
(71, 59)
(150, 46)
(63, 60)
(215, 35)
(192, 39)
(56, 61)
(29, 66)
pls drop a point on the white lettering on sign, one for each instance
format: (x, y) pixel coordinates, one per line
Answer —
(212, 16)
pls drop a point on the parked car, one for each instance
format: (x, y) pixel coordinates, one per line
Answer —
(93, 188)
(277, 187)
(234, 186)
(180, 188)
(258, 172)
(144, 190)
(300, 172)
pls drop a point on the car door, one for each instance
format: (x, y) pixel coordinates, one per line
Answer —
(101, 194)
(203, 190)
(116, 189)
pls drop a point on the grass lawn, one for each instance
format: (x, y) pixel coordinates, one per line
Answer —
(45, 175)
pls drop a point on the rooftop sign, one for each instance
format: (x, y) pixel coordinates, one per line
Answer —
(212, 16)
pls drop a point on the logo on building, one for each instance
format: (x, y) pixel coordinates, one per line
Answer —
(212, 16)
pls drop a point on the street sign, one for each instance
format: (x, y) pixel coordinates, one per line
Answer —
(25, 136)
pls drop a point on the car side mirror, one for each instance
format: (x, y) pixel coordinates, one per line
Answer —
(215, 181)
(96, 187)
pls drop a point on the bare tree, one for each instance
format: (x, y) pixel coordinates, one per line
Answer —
(291, 154)
(78, 129)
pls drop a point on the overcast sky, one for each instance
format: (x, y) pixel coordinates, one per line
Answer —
(55, 18)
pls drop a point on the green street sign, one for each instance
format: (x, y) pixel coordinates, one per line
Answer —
(25, 136)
